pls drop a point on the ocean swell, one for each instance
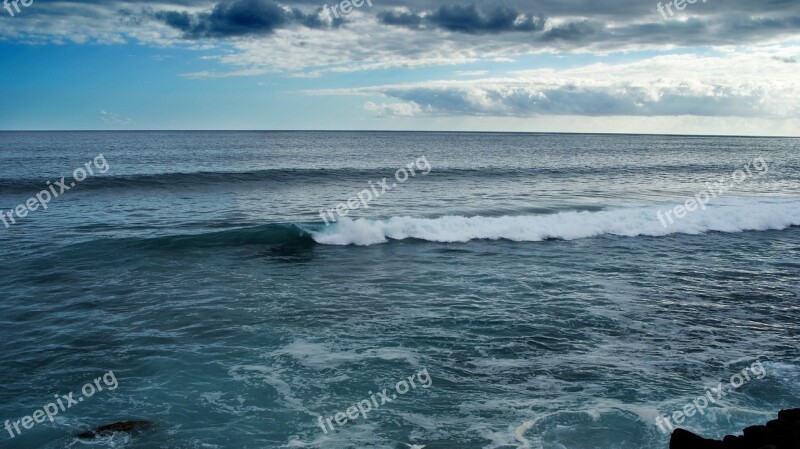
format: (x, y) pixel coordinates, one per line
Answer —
(744, 214)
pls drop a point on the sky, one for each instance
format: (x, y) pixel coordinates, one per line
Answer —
(710, 67)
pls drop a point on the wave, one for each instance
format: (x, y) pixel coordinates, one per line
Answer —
(304, 175)
(733, 216)
(186, 180)
(275, 235)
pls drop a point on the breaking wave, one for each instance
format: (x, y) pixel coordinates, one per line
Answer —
(750, 214)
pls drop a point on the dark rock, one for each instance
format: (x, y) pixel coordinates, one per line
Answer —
(789, 415)
(781, 433)
(757, 432)
(125, 426)
(684, 439)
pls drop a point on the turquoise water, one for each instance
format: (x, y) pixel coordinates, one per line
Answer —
(528, 275)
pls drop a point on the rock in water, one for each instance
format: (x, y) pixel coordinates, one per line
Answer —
(683, 439)
(781, 433)
(125, 426)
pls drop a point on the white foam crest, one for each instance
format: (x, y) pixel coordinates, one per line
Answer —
(743, 214)
(321, 356)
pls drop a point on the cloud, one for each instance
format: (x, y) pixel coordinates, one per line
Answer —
(110, 118)
(466, 19)
(272, 35)
(527, 99)
(470, 72)
(401, 18)
(409, 109)
(233, 74)
(731, 86)
(236, 18)
(787, 60)
(450, 35)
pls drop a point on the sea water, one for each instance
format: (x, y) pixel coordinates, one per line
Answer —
(528, 274)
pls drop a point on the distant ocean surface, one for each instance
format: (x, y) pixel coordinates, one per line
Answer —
(527, 273)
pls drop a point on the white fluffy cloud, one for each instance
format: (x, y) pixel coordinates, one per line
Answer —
(395, 109)
(752, 84)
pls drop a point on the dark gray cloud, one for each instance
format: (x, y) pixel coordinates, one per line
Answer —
(234, 18)
(398, 18)
(471, 29)
(622, 10)
(593, 26)
(723, 30)
(466, 19)
(572, 32)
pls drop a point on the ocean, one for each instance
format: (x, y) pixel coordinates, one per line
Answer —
(492, 291)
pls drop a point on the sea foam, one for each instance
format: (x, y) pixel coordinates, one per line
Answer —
(734, 215)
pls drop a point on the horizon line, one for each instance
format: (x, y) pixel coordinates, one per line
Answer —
(388, 131)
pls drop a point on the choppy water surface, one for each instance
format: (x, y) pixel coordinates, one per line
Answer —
(528, 274)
